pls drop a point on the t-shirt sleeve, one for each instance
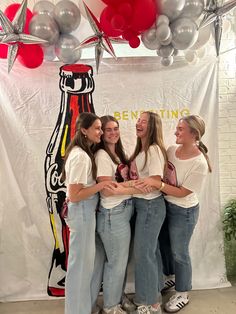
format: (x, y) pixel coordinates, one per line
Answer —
(104, 164)
(78, 170)
(155, 161)
(194, 179)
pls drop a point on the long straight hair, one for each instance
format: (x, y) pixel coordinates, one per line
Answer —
(197, 127)
(84, 121)
(119, 149)
(154, 136)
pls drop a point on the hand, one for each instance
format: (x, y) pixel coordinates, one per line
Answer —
(115, 189)
(106, 184)
(150, 181)
(143, 186)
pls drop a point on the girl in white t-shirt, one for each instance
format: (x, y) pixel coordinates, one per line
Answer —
(188, 165)
(148, 161)
(80, 178)
(113, 219)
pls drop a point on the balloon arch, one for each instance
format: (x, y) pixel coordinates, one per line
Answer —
(165, 26)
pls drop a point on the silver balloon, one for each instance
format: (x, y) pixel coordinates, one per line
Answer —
(67, 15)
(193, 8)
(163, 32)
(45, 27)
(44, 7)
(149, 40)
(171, 8)
(49, 53)
(165, 51)
(167, 61)
(167, 41)
(65, 49)
(162, 19)
(184, 32)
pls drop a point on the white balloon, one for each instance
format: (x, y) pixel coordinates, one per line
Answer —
(204, 35)
(190, 55)
(167, 61)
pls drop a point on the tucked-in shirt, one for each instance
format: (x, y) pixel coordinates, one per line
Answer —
(188, 173)
(153, 167)
(118, 172)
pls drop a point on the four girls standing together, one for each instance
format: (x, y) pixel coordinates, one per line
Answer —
(105, 189)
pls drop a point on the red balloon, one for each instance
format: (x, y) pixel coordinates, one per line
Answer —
(144, 14)
(3, 51)
(134, 42)
(105, 22)
(118, 22)
(30, 56)
(125, 9)
(129, 34)
(11, 10)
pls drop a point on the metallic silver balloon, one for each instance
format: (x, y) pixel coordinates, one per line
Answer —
(167, 61)
(162, 19)
(193, 8)
(45, 27)
(67, 15)
(171, 8)
(165, 51)
(184, 32)
(44, 7)
(167, 41)
(149, 40)
(163, 32)
(65, 49)
(49, 53)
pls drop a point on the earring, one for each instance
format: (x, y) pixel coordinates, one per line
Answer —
(85, 135)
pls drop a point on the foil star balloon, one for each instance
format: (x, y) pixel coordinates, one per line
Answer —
(99, 40)
(214, 13)
(12, 33)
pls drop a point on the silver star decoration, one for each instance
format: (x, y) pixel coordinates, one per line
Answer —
(214, 13)
(99, 40)
(12, 33)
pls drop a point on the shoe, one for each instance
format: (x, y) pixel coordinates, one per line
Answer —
(127, 304)
(96, 309)
(148, 309)
(176, 303)
(169, 284)
(117, 309)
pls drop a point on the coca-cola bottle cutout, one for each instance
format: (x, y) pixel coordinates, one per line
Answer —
(76, 85)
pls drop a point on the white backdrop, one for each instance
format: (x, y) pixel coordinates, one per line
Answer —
(29, 106)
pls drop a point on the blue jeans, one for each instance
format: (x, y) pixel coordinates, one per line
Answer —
(150, 217)
(113, 227)
(181, 223)
(81, 222)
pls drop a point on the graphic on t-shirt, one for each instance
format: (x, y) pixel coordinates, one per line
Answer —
(170, 176)
(122, 173)
(133, 171)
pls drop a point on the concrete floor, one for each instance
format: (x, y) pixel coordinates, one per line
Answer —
(217, 301)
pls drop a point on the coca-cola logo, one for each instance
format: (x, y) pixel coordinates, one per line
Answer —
(53, 179)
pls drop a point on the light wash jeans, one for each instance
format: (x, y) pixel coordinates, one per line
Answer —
(181, 223)
(113, 228)
(81, 222)
(148, 267)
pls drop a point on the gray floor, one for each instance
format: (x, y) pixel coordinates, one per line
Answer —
(217, 301)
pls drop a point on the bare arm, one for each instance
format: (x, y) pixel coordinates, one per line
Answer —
(77, 192)
(166, 188)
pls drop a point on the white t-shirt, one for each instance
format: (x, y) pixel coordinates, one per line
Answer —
(78, 168)
(189, 173)
(107, 168)
(154, 167)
